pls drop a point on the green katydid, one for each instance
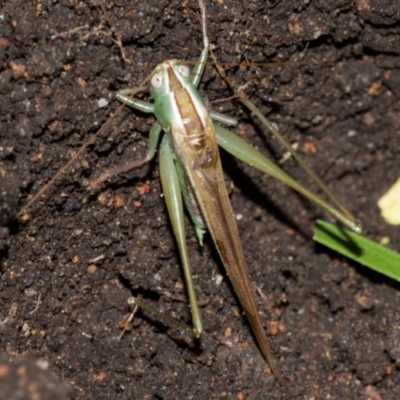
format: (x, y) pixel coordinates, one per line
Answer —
(190, 169)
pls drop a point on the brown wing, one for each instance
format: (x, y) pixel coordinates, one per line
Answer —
(200, 158)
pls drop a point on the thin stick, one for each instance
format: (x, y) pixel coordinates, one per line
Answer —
(117, 40)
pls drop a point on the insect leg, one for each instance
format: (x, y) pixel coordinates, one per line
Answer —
(239, 148)
(197, 71)
(173, 197)
(151, 150)
(125, 96)
(224, 119)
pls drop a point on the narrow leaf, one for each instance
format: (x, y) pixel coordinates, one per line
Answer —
(359, 248)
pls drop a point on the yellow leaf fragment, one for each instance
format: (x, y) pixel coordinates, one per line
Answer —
(389, 204)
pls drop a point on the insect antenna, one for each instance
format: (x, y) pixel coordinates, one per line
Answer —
(91, 140)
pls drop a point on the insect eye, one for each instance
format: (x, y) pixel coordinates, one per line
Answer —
(184, 70)
(156, 81)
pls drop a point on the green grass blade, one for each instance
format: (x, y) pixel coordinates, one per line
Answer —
(359, 248)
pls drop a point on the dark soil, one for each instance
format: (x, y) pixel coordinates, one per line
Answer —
(71, 261)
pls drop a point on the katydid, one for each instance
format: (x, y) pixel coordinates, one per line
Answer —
(191, 171)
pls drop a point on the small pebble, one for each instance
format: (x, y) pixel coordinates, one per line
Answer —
(102, 103)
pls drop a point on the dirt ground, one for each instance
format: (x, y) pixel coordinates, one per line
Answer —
(71, 261)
